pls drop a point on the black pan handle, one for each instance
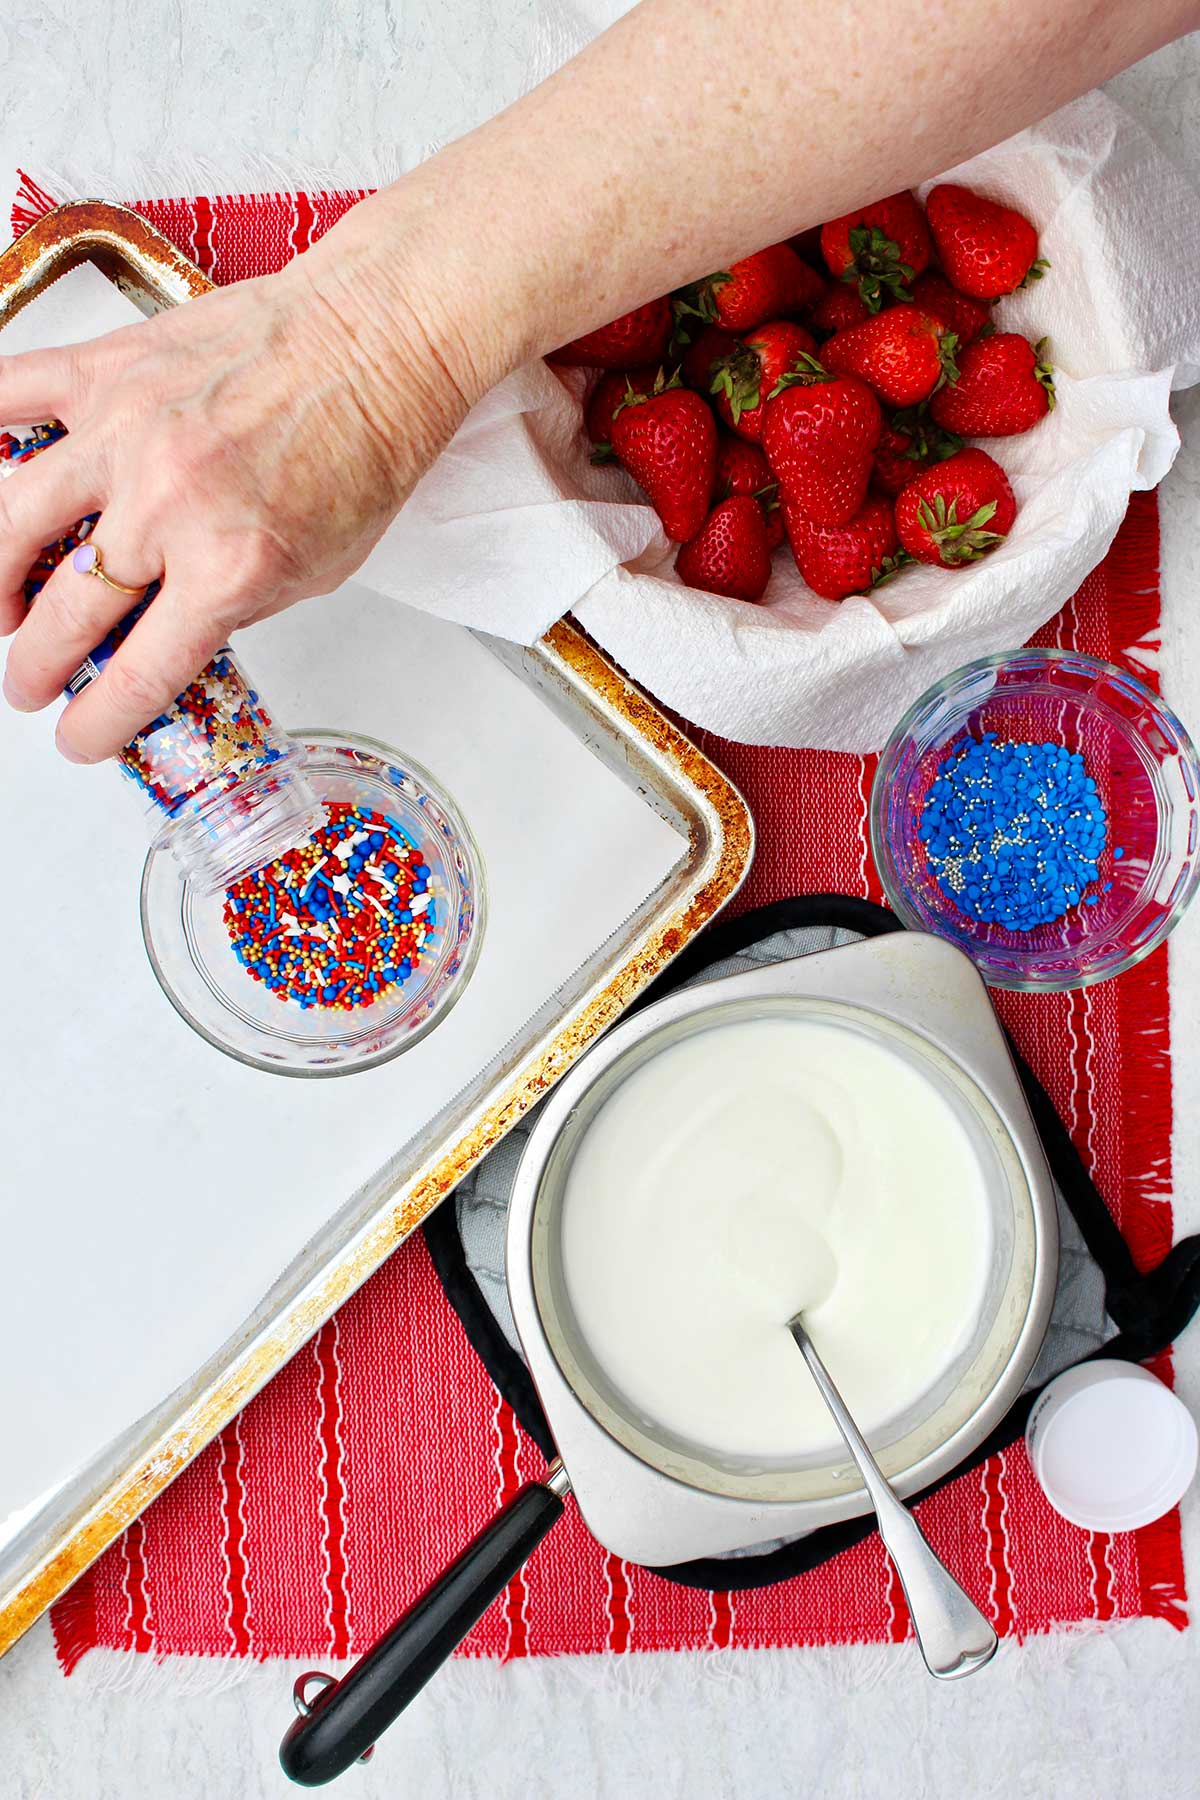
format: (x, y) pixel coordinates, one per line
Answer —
(348, 1716)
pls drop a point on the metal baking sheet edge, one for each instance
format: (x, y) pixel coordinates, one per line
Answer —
(618, 722)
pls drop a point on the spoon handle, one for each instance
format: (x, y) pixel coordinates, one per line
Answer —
(954, 1636)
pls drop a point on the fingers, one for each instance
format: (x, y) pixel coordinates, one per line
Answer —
(72, 614)
(40, 384)
(171, 642)
(38, 502)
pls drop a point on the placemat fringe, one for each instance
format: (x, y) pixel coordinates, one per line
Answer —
(30, 203)
(74, 1624)
(1145, 1035)
(1160, 1554)
(1132, 582)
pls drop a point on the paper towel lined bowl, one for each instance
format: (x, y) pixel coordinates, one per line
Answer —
(514, 526)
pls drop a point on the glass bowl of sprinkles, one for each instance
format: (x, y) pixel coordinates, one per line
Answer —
(1041, 810)
(348, 947)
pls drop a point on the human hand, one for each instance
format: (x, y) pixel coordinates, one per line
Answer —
(248, 449)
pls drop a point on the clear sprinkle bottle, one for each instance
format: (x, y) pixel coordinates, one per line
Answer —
(224, 788)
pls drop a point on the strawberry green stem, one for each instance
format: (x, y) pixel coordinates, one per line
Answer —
(947, 345)
(695, 302)
(1044, 370)
(661, 386)
(738, 376)
(805, 372)
(876, 267)
(958, 542)
(889, 568)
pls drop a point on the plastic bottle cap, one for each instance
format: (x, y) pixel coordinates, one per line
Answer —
(1112, 1447)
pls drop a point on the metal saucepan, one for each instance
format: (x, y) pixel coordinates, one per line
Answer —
(654, 1498)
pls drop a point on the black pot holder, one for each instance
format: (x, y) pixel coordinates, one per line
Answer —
(1104, 1307)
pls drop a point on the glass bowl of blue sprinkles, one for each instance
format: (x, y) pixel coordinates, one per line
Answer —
(1042, 811)
(347, 949)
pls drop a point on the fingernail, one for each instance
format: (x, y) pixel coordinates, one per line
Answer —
(70, 753)
(17, 697)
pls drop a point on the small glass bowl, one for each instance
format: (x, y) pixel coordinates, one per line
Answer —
(1145, 768)
(190, 951)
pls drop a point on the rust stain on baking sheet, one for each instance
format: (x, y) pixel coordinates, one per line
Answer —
(117, 240)
(150, 269)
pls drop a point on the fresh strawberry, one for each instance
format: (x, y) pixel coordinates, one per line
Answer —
(764, 286)
(893, 468)
(743, 469)
(957, 511)
(880, 249)
(909, 443)
(819, 435)
(637, 337)
(742, 380)
(836, 560)
(985, 249)
(841, 307)
(668, 442)
(696, 363)
(729, 554)
(607, 395)
(965, 317)
(1004, 387)
(807, 243)
(902, 353)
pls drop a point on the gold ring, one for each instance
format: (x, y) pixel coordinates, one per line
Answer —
(86, 560)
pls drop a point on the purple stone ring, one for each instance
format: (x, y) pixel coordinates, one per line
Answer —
(86, 561)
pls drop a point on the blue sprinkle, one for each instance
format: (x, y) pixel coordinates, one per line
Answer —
(1118, 853)
(1013, 832)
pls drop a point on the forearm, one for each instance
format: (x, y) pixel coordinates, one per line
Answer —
(695, 131)
(252, 446)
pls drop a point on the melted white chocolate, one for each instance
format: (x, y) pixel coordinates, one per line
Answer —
(754, 1170)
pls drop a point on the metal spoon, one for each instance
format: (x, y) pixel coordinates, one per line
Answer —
(954, 1636)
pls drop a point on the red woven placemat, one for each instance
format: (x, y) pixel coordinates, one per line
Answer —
(347, 1484)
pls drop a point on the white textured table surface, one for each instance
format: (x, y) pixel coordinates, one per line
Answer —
(1110, 1716)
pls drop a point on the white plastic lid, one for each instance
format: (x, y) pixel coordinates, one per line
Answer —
(1112, 1447)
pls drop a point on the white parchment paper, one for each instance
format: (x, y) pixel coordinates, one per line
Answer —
(151, 1190)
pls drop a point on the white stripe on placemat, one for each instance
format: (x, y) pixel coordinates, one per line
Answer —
(722, 1618)
(233, 1538)
(331, 1484)
(501, 1497)
(618, 1611)
(864, 829)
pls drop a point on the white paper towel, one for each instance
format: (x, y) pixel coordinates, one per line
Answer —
(514, 527)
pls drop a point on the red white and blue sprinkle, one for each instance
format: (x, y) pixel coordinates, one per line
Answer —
(1014, 832)
(216, 734)
(340, 919)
